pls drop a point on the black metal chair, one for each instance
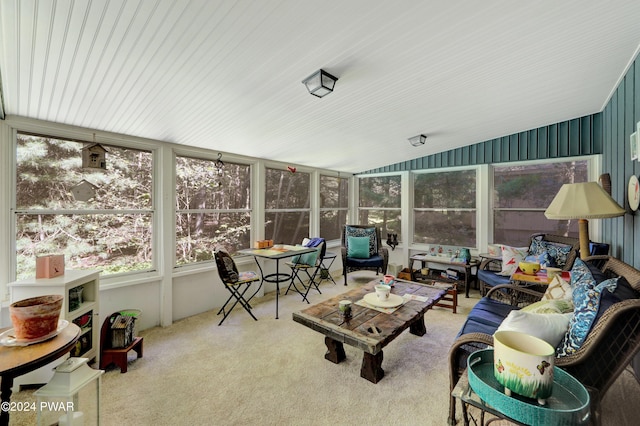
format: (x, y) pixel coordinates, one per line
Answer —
(311, 265)
(238, 283)
(377, 257)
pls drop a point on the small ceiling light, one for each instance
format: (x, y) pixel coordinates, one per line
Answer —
(320, 83)
(418, 140)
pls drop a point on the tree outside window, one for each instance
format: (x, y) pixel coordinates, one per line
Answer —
(521, 194)
(213, 208)
(287, 211)
(98, 218)
(445, 208)
(380, 203)
(334, 206)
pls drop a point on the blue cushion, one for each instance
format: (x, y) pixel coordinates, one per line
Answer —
(486, 316)
(358, 247)
(371, 262)
(352, 231)
(586, 300)
(493, 279)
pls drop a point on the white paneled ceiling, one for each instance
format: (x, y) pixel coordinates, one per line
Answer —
(226, 75)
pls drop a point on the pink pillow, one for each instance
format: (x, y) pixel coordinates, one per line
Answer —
(511, 257)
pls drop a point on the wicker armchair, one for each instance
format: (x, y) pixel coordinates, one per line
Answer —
(378, 255)
(608, 349)
(490, 266)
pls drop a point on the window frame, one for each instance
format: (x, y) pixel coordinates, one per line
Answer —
(358, 208)
(328, 209)
(413, 209)
(202, 156)
(151, 211)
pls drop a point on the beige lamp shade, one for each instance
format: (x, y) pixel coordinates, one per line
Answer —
(586, 200)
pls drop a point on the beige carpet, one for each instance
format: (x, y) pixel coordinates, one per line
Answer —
(273, 372)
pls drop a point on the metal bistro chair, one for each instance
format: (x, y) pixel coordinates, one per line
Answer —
(307, 263)
(238, 283)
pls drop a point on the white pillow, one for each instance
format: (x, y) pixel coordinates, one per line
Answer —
(549, 327)
(511, 257)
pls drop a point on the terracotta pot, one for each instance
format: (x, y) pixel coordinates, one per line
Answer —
(35, 317)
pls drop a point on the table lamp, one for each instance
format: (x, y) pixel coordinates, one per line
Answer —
(583, 201)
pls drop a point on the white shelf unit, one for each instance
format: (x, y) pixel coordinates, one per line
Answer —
(85, 315)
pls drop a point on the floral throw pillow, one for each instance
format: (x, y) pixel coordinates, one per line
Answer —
(511, 257)
(586, 301)
(558, 253)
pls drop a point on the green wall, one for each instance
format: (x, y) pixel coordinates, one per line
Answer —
(605, 133)
(580, 136)
(619, 119)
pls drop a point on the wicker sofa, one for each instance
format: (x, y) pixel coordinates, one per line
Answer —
(611, 344)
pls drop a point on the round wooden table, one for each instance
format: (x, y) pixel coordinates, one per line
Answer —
(18, 360)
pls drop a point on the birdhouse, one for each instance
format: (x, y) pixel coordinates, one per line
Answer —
(84, 191)
(94, 156)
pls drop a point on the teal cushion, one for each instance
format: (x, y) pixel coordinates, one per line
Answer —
(358, 247)
(586, 301)
(352, 231)
(310, 258)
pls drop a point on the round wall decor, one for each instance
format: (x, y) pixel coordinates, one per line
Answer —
(634, 193)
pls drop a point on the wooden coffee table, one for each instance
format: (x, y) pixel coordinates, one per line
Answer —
(369, 329)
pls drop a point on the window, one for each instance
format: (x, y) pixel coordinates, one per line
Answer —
(380, 203)
(445, 208)
(98, 216)
(213, 208)
(334, 206)
(521, 194)
(287, 209)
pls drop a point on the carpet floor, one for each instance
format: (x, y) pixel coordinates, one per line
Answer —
(273, 372)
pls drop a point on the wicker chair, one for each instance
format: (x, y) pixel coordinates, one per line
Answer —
(379, 255)
(607, 351)
(487, 272)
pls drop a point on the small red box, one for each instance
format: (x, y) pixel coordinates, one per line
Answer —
(49, 266)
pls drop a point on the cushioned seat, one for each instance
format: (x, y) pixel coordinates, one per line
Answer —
(491, 278)
(486, 316)
(362, 249)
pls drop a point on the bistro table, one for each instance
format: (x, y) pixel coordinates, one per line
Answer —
(18, 360)
(276, 253)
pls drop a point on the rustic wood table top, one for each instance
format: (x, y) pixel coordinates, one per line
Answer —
(325, 317)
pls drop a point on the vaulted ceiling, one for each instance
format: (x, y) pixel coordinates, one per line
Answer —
(226, 75)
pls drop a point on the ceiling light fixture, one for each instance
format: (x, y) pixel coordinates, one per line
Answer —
(320, 83)
(418, 140)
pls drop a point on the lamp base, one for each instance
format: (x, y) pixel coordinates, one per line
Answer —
(583, 229)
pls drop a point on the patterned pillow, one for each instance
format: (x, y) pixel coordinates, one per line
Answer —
(586, 300)
(558, 289)
(227, 268)
(558, 253)
(543, 259)
(554, 306)
(511, 256)
(352, 231)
